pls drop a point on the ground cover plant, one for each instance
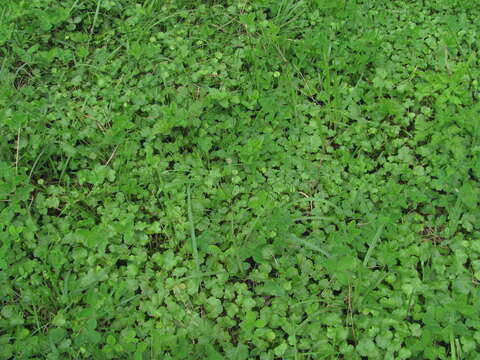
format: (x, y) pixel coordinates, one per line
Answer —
(266, 179)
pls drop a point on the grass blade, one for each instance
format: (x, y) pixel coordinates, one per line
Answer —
(192, 230)
(373, 243)
(196, 276)
(314, 218)
(309, 245)
(95, 17)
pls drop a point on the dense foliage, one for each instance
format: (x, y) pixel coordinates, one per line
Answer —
(267, 179)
